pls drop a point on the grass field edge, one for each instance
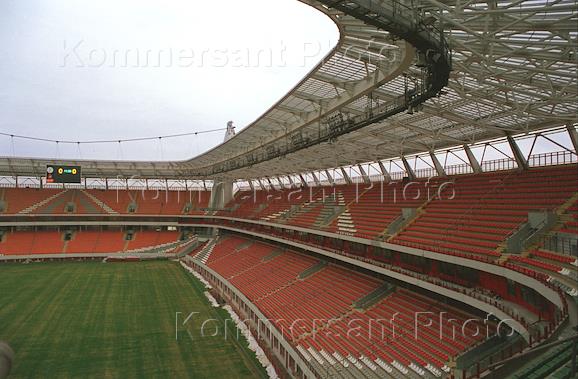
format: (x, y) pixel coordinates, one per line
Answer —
(241, 343)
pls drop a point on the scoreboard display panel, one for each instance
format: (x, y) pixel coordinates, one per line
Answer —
(62, 174)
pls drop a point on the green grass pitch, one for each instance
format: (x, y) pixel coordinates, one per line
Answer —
(116, 320)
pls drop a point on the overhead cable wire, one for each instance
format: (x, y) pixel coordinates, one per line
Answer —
(111, 141)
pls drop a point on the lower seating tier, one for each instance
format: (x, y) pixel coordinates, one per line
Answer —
(82, 242)
(313, 304)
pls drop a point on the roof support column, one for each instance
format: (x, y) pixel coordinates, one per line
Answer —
(271, 186)
(315, 179)
(384, 172)
(204, 185)
(573, 136)
(39, 181)
(105, 183)
(281, 185)
(291, 183)
(473, 161)
(408, 169)
(221, 193)
(364, 175)
(520, 159)
(251, 185)
(261, 184)
(329, 177)
(303, 181)
(439, 168)
(345, 176)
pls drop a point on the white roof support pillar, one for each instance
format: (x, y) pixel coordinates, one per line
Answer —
(345, 176)
(384, 172)
(439, 168)
(573, 136)
(364, 175)
(281, 185)
(221, 193)
(473, 161)
(251, 185)
(303, 181)
(315, 179)
(329, 177)
(261, 184)
(408, 169)
(518, 156)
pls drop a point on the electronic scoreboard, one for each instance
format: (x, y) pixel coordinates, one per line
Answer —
(62, 174)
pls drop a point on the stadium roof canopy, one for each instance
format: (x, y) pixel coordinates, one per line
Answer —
(513, 71)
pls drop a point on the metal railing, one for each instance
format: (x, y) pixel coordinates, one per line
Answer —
(560, 244)
(538, 160)
(552, 158)
(499, 164)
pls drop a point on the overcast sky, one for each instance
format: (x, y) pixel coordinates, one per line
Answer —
(110, 69)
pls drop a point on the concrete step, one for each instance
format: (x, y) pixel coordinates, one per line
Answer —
(205, 252)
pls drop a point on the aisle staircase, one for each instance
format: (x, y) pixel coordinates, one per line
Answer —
(374, 297)
(204, 254)
(98, 202)
(2, 201)
(312, 270)
(333, 208)
(42, 203)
